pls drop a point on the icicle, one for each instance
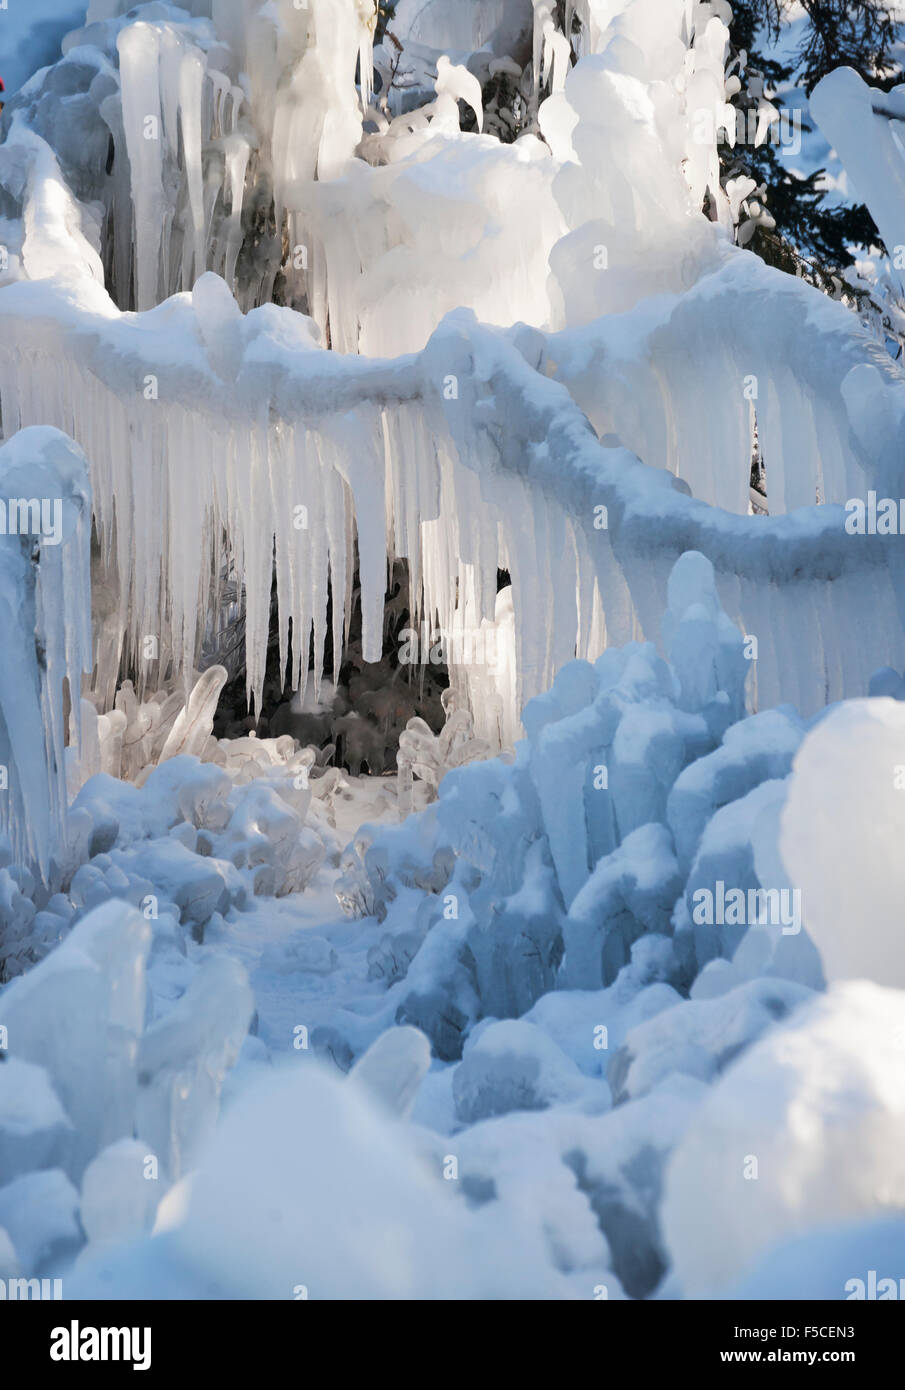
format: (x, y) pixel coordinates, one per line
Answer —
(139, 51)
(191, 77)
(45, 617)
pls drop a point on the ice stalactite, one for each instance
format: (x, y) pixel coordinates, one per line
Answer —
(141, 95)
(176, 109)
(210, 124)
(464, 459)
(317, 126)
(249, 445)
(830, 403)
(349, 237)
(45, 507)
(276, 102)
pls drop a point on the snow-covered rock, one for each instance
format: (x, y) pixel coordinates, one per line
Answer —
(183, 1058)
(40, 1213)
(119, 1192)
(700, 1037)
(513, 1065)
(35, 1131)
(79, 1014)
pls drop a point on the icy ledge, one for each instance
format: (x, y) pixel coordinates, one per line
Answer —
(217, 434)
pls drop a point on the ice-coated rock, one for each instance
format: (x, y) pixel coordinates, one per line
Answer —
(513, 1065)
(700, 1037)
(394, 1067)
(183, 1058)
(79, 1014)
(630, 892)
(35, 1131)
(316, 1164)
(40, 1213)
(120, 1192)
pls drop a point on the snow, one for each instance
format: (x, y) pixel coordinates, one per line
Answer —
(702, 1039)
(39, 1212)
(350, 1207)
(818, 1107)
(851, 758)
(620, 1071)
(824, 1262)
(597, 983)
(739, 551)
(118, 1201)
(183, 1058)
(513, 1065)
(34, 1127)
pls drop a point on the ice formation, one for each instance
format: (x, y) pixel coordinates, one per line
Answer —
(306, 450)
(45, 505)
(849, 881)
(281, 310)
(530, 931)
(830, 1084)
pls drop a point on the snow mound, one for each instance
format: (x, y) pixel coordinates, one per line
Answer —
(350, 1209)
(805, 1130)
(849, 867)
(514, 1066)
(35, 1130)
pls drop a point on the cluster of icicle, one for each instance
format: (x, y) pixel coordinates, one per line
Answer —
(211, 118)
(218, 441)
(343, 472)
(507, 474)
(45, 634)
(258, 97)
